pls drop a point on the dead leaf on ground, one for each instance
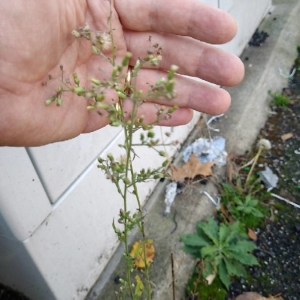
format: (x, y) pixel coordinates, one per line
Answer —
(137, 253)
(252, 235)
(210, 278)
(250, 296)
(226, 214)
(191, 169)
(287, 136)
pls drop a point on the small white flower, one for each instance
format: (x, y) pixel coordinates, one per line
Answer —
(104, 39)
(264, 143)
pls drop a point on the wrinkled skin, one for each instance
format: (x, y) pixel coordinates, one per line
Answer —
(35, 39)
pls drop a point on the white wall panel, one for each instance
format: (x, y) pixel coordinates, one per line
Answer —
(210, 2)
(226, 4)
(59, 164)
(23, 202)
(248, 15)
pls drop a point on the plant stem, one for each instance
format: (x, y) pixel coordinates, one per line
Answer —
(254, 164)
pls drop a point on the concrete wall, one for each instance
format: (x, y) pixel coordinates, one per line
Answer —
(56, 207)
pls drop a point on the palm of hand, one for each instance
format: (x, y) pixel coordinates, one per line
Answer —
(37, 47)
(36, 39)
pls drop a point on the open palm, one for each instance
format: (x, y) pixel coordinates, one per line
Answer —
(35, 40)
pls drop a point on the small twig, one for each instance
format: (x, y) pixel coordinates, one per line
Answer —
(175, 222)
(173, 276)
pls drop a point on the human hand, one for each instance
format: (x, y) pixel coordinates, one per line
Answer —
(35, 39)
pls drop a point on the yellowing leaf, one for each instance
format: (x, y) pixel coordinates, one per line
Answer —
(137, 252)
(191, 169)
(139, 287)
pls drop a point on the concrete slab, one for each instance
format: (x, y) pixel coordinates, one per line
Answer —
(240, 126)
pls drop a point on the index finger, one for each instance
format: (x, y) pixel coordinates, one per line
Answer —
(182, 17)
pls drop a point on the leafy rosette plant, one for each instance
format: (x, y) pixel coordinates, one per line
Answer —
(223, 248)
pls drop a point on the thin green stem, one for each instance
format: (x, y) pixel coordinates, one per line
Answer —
(113, 60)
(128, 141)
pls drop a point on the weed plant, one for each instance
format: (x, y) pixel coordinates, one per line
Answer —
(223, 245)
(223, 248)
(120, 170)
(279, 99)
(243, 205)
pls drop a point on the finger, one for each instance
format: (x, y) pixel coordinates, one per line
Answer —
(187, 18)
(193, 58)
(191, 93)
(157, 114)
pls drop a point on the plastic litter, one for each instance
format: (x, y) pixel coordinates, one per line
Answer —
(285, 200)
(171, 192)
(290, 76)
(207, 150)
(211, 120)
(216, 203)
(268, 178)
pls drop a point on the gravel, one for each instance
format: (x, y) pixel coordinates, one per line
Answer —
(279, 239)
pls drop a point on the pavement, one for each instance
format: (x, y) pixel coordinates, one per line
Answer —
(240, 127)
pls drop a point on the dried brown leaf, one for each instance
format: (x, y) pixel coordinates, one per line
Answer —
(252, 235)
(287, 136)
(191, 169)
(226, 214)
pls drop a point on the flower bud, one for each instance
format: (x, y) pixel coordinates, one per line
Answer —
(126, 180)
(75, 78)
(121, 95)
(100, 97)
(58, 101)
(95, 81)
(50, 100)
(79, 90)
(76, 33)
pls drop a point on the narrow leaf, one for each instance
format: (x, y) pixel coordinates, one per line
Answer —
(234, 268)
(223, 275)
(245, 258)
(208, 251)
(210, 228)
(193, 240)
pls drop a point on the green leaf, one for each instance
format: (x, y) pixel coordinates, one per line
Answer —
(233, 232)
(208, 251)
(210, 228)
(234, 268)
(193, 240)
(223, 275)
(244, 258)
(208, 267)
(238, 201)
(192, 250)
(244, 246)
(223, 233)
(253, 202)
(257, 213)
(247, 210)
